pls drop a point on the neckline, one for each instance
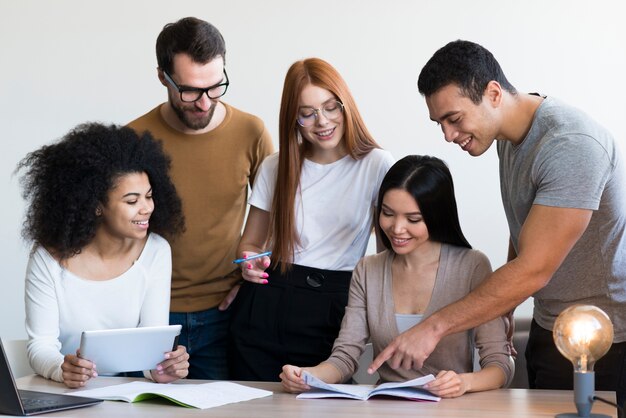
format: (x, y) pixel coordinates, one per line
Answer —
(214, 131)
(440, 270)
(75, 276)
(312, 163)
(534, 121)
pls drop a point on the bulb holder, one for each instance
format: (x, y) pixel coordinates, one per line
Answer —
(584, 388)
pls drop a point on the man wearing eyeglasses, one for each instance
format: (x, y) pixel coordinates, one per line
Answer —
(215, 151)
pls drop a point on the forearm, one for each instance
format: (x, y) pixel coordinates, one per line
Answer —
(46, 360)
(491, 377)
(251, 242)
(500, 293)
(255, 234)
(250, 247)
(326, 372)
(548, 235)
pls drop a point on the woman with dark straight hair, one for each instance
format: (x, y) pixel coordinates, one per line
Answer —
(428, 264)
(313, 206)
(428, 180)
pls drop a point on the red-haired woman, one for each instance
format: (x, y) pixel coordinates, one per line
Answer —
(313, 206)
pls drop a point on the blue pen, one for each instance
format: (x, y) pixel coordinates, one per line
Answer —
(252, 257)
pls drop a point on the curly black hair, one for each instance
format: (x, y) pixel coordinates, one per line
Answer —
(66, 181)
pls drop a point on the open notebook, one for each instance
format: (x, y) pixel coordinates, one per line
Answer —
(202, 396)
(411, 389)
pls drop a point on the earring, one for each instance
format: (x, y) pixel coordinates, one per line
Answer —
(98, 211)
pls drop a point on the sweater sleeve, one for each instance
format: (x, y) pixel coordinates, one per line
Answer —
(42, 318)
(264, 148)
(354, 332)
(490, 338)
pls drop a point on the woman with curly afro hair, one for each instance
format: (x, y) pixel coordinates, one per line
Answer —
(99, 201)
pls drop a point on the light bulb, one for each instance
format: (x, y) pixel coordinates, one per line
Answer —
(583, 334)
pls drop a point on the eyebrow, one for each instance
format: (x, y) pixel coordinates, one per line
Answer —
(323, 103)
(186, 87)
(407, 214)
(446, 115)
(136, 194)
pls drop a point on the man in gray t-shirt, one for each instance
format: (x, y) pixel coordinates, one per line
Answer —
(563, 185)
(569, 161)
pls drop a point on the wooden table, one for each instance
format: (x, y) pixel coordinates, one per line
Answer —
(491, 404)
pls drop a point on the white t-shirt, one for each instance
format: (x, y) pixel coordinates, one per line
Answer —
(334, 206)
(60, 305)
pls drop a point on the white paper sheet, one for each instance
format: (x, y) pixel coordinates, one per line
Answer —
(202, 396)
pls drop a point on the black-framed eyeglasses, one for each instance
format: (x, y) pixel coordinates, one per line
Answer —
(331, 110)
(193, 94)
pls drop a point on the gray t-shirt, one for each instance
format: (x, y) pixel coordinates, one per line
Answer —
(568, 160)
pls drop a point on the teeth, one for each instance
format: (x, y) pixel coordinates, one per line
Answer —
(325, 133)
(464, 143)
(141, 222)
(399, 241)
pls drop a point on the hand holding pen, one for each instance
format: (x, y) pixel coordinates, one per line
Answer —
(253, 266)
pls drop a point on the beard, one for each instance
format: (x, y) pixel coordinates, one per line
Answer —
(183, 111)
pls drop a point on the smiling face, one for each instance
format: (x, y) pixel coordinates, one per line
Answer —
(129, 206)
(472, 126)
(324, 135)
(189, 74)
(402, 222)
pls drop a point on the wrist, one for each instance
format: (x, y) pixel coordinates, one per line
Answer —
(435, 326)
(467, 382)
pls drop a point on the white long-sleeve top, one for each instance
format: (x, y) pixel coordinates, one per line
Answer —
(60, 305)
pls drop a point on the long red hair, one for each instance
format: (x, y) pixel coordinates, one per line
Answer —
(357, 139)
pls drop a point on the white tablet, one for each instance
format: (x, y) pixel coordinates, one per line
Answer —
(128, 349)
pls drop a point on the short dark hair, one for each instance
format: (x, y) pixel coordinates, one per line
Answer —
(466, 64)
(66, 181)
(429, 181)
(195, 37)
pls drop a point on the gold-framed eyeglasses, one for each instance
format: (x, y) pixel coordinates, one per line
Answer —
(307, 115)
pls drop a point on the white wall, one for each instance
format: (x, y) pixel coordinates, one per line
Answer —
(66, 62)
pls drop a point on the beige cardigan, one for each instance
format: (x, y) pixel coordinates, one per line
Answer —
(370, 315)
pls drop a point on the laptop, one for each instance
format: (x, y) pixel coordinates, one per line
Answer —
(25, 402)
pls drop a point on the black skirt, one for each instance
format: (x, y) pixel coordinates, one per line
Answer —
(294, 319)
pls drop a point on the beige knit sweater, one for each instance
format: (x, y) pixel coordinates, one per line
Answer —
(370, 315)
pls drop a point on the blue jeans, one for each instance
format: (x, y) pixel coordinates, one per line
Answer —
(205, 334)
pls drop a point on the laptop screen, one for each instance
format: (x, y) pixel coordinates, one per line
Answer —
(21, 402)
